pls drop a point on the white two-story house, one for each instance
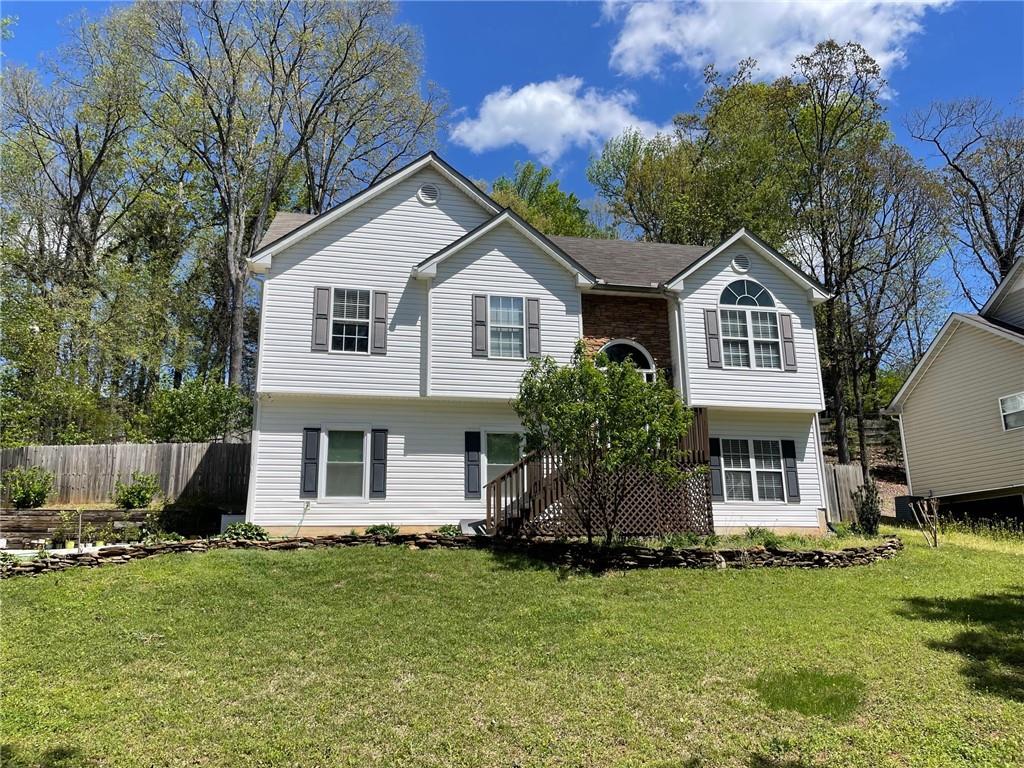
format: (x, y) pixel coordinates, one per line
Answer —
(396, 326)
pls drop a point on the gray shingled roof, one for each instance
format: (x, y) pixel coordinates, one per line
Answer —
(283, 223)
(630, 262)
(627, 263)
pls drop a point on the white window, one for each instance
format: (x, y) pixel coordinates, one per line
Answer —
(757, 480)
(621, 350)
(507, 326)
(350, 320)
(344, 468)
(504, 449)
(1012, 409)
(750, 337)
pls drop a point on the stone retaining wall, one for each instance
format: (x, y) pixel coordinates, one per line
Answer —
(564, 554)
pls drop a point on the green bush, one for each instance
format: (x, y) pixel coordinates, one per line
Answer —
(159, 537)
(842, 530)
(763, 537)
(868, 506)
(386, 530)
(448, 530)
(28, 487)
(245, 532)
(198, 411)
(139, 493)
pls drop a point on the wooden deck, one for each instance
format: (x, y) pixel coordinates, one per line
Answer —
(530, 497)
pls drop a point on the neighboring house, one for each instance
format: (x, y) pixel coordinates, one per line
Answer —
(395, 329)
(961, 411)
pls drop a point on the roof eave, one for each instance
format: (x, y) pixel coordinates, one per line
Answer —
(262, 259)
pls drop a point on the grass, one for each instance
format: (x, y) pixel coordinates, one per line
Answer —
(385, 656)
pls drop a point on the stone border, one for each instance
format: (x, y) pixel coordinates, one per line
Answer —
(544, 550)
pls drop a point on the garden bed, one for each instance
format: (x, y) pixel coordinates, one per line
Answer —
(548, 551)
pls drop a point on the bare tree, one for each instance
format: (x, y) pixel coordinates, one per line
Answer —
(836, 120)
(244, 88)
(983, 154)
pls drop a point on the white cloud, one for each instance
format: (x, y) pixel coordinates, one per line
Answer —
(695, 34)
(548, 118)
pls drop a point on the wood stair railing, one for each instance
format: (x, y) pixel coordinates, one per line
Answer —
(523, 492)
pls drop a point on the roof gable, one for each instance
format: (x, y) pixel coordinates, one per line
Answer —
(935, 349)
(293, 228)
(817, 292)
(428, 267)
(1008, 284)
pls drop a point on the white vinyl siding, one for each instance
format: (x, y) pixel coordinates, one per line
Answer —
(425, 459)
(753, 470)
(372, 248)
(955, 441)
(1010, 308)
(505, 263)
(742, 386)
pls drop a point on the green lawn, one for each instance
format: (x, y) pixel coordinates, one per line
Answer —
(385, 656)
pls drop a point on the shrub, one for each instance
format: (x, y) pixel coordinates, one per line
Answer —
(198, 411)
(763, 537)
(245, 532)
(159, 537)
(386, 530)
(449, 530)
(842, 530)
(139, 493)
(868, 506)
(28, 487)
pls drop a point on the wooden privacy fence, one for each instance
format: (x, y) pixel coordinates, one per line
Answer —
(841, 481)
(85, 474)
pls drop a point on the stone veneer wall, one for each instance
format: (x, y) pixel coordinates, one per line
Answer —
(555, 552)
(640, 318)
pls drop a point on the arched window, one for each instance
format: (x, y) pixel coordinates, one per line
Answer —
(621, 350)
(746, 293)
(750, 337)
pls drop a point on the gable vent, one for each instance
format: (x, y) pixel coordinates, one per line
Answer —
(428, 194)
(741, 262)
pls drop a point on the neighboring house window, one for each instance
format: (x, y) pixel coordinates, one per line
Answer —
(344, 467)
(1012, 409)
(621, 350)
(750, 327)
(504, 449)
(753, 470)
(507, 324)
(350, 320)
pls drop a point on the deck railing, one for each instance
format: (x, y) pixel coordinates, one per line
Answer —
(530, 495)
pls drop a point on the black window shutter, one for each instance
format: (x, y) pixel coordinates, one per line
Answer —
(788, 347)
(789, 465)
(472, 465)
(479, 326)
(310, 462)
(713, 338)
(321, 319)
(533, 327)
(379, 328)
(715, 462)
(378, 463)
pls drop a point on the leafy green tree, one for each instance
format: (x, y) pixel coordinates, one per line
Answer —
(606, 422)
(250, 90)
(197, 412)
(531, 193)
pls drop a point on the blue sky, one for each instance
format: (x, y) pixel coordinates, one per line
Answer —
(550, 81)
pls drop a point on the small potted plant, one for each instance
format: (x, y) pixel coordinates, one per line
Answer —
(64, 535)
(89, 535)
